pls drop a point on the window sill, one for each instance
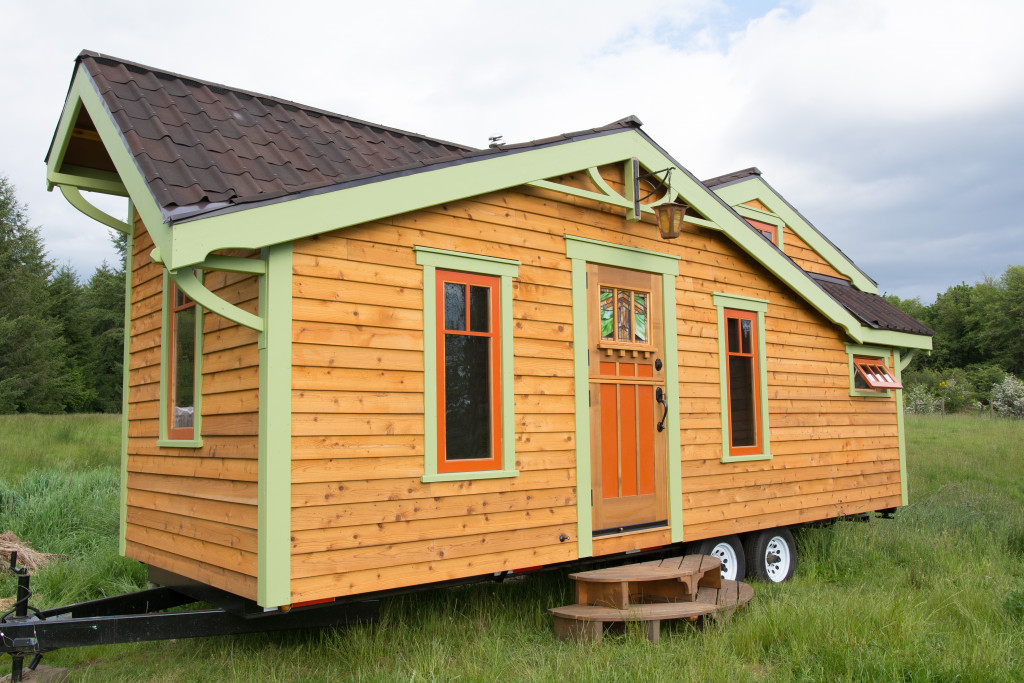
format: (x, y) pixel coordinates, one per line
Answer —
(746, 458)
(465, 476)
(871, 394)
(179, 443)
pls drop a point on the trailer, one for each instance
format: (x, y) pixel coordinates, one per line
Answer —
(359, 359)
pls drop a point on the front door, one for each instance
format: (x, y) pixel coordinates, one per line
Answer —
(626, 384)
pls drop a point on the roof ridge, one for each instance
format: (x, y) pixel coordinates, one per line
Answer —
(142, 68)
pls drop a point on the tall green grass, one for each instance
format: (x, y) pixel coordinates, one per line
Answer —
(936, 594)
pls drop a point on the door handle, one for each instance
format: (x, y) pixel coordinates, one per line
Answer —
(659, 396)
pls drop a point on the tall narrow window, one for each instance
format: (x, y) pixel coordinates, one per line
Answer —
(742, 372)
(469, 369)
(182, 403)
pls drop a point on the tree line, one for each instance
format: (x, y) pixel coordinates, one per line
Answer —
(979, 340)
(61, 339)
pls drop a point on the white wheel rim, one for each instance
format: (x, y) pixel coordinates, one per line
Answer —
(727, 554)
(777, 558)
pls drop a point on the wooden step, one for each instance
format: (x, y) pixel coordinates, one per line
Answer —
(648, 593)
(671, 580)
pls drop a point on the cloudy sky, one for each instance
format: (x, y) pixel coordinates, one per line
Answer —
(895, 126)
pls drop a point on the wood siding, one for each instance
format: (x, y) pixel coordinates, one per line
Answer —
(192, 511)
(363, 520)
(805, 257)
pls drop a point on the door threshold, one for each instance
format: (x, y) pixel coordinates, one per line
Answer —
(631, 529)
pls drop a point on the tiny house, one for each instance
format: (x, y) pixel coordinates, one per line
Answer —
(359, 359)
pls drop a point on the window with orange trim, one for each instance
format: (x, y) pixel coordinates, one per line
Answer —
(769, 231)
(182, 395)
(871, 374)
(469, 372)
(743, 382)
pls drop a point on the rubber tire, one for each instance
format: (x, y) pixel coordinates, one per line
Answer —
(717, 548)
(758, 546)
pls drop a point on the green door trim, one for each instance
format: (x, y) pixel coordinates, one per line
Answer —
(582, 251)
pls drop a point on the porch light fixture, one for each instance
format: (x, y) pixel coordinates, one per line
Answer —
(670, 218)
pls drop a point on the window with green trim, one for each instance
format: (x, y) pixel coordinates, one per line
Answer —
(469, 361)
(743, 377)
(869, 371)
(181, 351)
(468, 401)
(742, 382)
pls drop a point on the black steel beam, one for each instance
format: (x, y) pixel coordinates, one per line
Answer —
(42, 635)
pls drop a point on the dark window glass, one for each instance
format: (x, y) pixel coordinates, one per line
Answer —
(741, 400)
(183, 409)
(454, 306)
(479, 309)
(467, 397)
(747, 327)
(733, 326)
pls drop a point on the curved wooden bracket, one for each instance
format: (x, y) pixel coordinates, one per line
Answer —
(75, 198)
(187, 282)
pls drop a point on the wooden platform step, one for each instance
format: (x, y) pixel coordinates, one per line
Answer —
(670, 580)
(648, 593)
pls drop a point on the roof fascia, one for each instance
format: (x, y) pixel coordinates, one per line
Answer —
(83, 93)
(323, 212)
(748, 189)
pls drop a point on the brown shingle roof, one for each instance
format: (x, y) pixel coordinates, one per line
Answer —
(200, 144)
(872, 309)
(731, 177)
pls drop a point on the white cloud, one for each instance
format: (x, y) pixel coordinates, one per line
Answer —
(866, 114)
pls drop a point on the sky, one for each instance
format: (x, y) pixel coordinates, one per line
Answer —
(895, 126)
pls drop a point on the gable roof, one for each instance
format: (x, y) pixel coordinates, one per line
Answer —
(200, 144)
(147, 134)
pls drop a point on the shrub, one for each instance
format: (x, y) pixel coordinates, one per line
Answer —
(917, 400)
(1008, 397)
(957, 391)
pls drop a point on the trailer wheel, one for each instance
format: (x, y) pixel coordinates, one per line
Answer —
(729, 550)
(772, 554)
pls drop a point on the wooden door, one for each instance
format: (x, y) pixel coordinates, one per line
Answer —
(628, 451)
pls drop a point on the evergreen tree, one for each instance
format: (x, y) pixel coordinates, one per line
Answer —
(34, 369)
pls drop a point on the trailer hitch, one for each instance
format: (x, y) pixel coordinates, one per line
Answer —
(140, 616)
(19, 646)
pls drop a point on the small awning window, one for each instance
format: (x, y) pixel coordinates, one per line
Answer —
(874, 374)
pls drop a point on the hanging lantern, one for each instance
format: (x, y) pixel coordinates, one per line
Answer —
(670, 218)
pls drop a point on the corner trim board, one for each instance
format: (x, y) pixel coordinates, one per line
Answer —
(273, 576)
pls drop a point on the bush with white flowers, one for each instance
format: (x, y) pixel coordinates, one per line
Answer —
(1008, 397)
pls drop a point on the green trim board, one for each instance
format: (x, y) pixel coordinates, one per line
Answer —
(186, 280)
(75, 198)
(581, 407)
(122, 538)
(756, 188)
(273, 575)
(868, 351)
(84, 94)
(582, 251)
(760, 307)
(765, 217)
(901, 430)
(506, 270)
(165, 369)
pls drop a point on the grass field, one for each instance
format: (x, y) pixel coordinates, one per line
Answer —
(936, 594)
